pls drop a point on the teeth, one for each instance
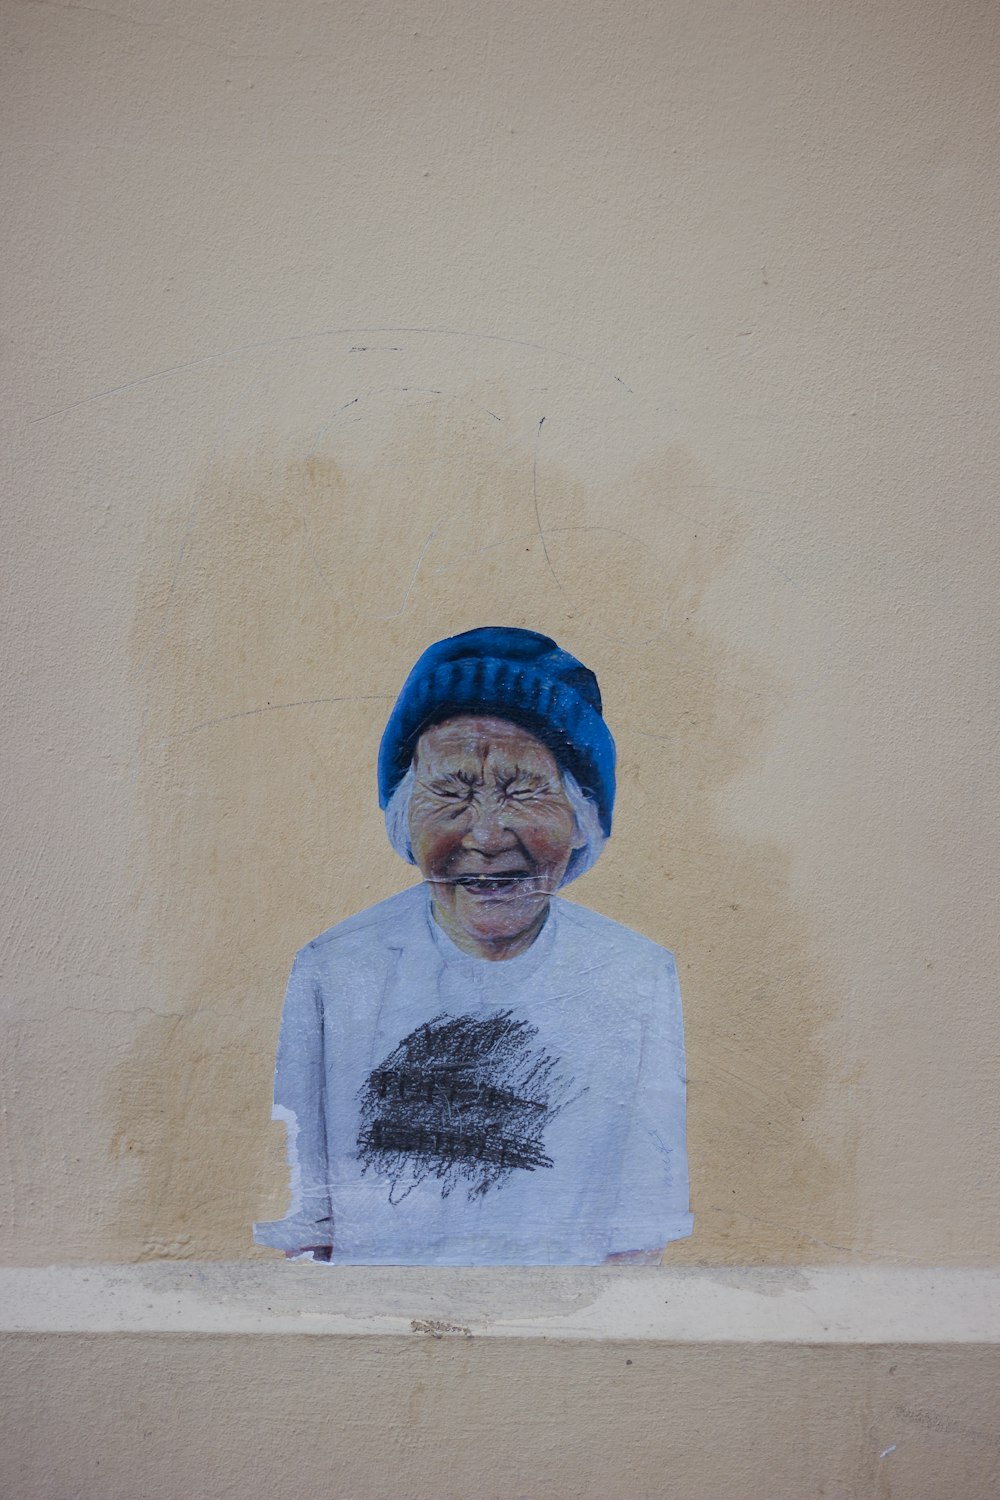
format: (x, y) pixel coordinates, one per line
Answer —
(491, 884)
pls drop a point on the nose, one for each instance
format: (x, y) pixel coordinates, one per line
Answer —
(489, 833)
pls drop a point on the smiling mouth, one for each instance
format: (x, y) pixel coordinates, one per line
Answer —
(507, 882)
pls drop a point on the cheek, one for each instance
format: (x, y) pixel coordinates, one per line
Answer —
(433, 838)
(549, 837)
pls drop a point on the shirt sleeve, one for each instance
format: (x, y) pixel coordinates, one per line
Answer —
(652, 1206)
(300, 1101)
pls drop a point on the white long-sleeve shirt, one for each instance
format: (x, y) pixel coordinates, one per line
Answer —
(449, 1110)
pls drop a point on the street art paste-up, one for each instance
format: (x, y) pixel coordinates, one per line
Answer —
(477, 1071)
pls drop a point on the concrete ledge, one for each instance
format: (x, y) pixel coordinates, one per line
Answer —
(300, 1382)
(821, 1305)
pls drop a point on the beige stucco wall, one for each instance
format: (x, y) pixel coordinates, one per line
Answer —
(669, 330)
(453, 1418)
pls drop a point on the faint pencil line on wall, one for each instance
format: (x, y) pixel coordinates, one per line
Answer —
(261, 346)
(538, 514)
(413, 576)
(267, 708)
(383, 390)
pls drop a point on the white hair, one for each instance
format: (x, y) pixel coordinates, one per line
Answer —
(588, 824)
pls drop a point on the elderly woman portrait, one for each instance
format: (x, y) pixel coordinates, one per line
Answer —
(478, 1071)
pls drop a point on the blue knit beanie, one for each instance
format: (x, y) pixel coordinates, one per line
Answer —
(511, 674)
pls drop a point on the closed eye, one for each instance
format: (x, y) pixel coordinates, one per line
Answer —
(525, 793)
(456, 788)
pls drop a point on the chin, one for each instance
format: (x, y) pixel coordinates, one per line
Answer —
(502, 919)
(497, 932)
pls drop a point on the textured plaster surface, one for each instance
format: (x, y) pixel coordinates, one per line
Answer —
(669, 330)
(455, 1418)
(686, 1305)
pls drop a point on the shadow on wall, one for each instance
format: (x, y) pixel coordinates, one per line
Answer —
(273, 629)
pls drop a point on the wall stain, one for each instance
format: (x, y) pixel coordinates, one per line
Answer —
(439, 1330)
(266, 660)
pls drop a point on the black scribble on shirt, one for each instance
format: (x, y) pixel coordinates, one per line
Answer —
(465, 1099)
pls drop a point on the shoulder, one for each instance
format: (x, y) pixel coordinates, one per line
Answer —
(608, 940)
(378, 928)
(637, 977)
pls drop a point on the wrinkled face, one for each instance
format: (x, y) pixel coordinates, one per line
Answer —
(492, 830)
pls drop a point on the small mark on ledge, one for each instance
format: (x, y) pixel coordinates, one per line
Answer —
(375, 349)
(886, 1451)
(437, 1329)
